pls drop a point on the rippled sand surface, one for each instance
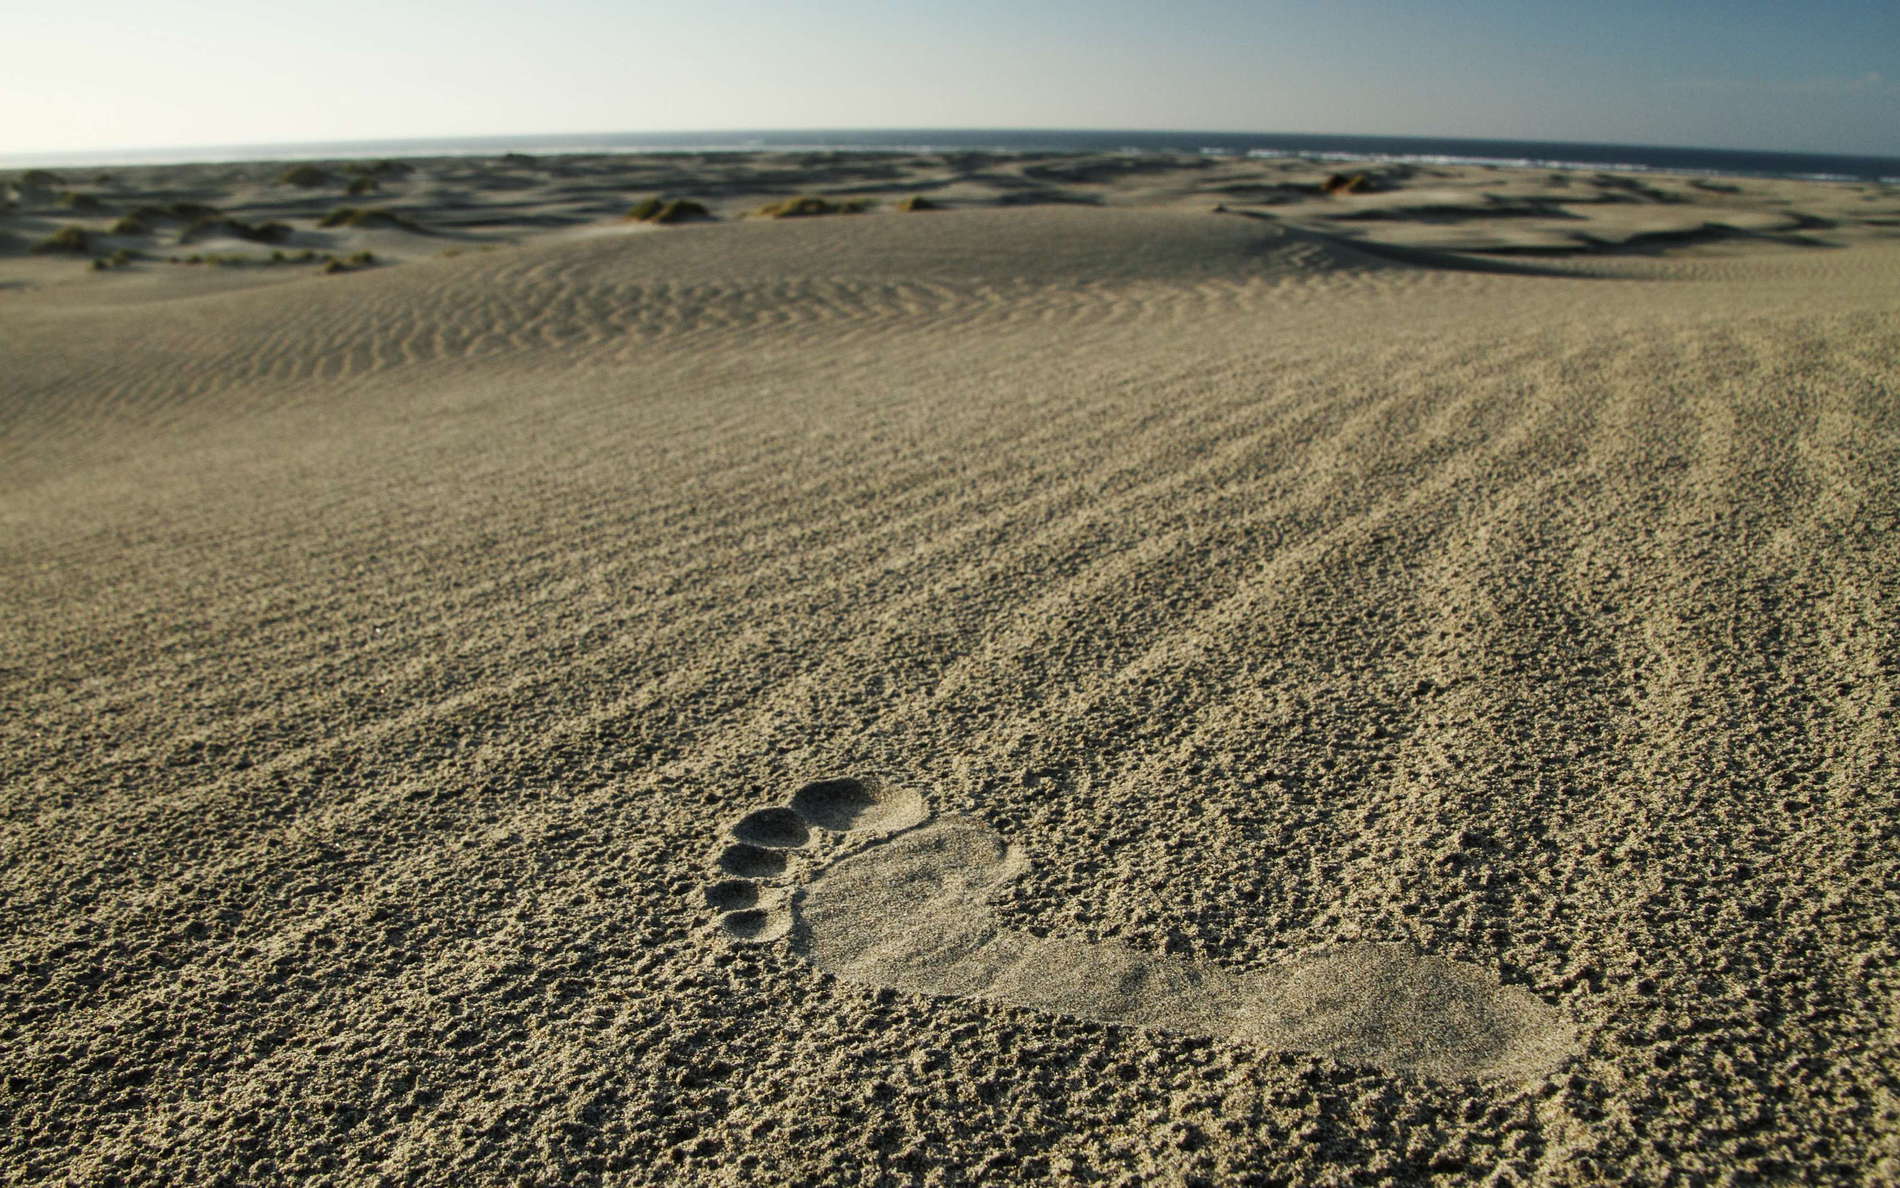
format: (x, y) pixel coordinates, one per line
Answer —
(387, 657)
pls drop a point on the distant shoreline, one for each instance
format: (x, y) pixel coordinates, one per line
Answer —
(1324, 147)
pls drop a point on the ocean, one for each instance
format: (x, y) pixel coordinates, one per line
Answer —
(1427, 150)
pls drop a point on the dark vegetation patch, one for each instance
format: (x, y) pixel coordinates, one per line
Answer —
(42, 178)
(77, 200)
(967, 162)
(917, 202)
(68, 239)
(118, 259)
(676, 210)
(808, 205)
(241, 260)
(305, 177)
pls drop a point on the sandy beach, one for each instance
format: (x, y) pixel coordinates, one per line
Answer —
(1046, 669)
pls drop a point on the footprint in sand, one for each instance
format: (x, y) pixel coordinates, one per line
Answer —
(909, 911)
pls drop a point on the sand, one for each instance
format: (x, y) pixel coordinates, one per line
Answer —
(1075, 686)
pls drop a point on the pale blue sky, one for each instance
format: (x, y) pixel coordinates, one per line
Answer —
(1821, 76)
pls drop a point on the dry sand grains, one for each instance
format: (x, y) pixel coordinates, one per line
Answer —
(1435, 713)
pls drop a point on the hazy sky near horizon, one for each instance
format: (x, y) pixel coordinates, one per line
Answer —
(1821, 76)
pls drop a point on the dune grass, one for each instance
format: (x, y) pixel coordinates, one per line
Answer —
(807, 205)
(69, 239)
(42, 178)
(307, 177)
(76, 200)
(659, 210)
(131, 225)
(242, 260)
(917, 202)
(363, 185)
(118, 259)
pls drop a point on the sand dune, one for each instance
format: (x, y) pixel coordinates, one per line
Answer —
(1434, 709)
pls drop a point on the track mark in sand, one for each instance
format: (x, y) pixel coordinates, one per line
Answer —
(909, 911)
(844, 806)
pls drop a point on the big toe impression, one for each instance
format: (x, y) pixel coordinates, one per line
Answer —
(847, 805)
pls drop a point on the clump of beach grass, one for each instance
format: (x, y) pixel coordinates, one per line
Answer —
(241, 260)
(660, 210)
(306, 177)
(363, 185)
(44, 179)
(807, 205)
(77, 200)
(70, 239)
(917, 202)
(118, 259)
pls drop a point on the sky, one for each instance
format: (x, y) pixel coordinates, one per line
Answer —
(1818, 76)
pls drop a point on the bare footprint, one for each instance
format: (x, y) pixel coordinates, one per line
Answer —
(910, 911)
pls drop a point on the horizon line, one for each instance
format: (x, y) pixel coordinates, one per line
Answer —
(101, 156)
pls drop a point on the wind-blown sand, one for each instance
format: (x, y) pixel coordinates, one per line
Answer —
(1069, 687)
